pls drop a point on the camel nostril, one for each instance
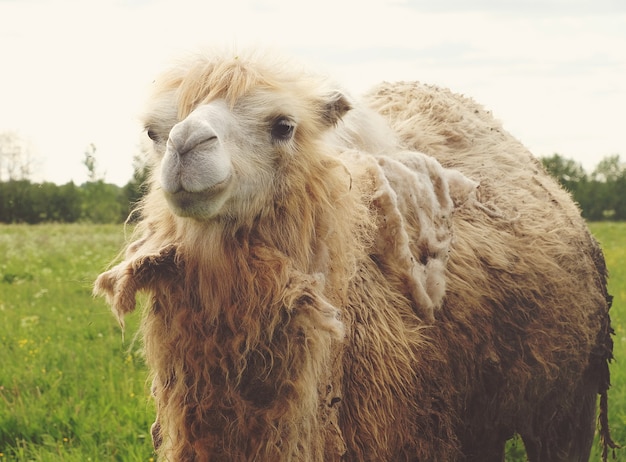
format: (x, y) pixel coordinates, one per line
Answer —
(193, 142)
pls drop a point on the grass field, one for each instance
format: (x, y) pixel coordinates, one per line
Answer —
(72, 389)
(612, 236)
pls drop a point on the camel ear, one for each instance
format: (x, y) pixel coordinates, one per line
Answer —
(335, 105)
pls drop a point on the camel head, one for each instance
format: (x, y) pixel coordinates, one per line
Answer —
(224, 128)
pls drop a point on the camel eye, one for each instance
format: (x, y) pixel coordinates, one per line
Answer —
(153, 135)
(282, 129)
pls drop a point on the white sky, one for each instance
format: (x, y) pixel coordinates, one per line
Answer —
(76, 72)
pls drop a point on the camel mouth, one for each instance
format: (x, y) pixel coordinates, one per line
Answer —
(205, 203)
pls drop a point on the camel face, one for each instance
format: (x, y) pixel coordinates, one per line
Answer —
(230, 132)
(196, 170)
(220, 156)
(222, 160)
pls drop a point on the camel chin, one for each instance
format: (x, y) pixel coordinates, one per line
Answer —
(200, 205)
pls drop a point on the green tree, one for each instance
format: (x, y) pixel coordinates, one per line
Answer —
(602, 194)
(17, 205)
(609, 169)
(620, 197)
(91, 163)
(101, 202)
(24, 202)
(567, 171)
(96, 201)
(68, 203)
(610, 174)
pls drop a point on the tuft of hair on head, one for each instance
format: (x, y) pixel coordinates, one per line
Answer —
(200, 77)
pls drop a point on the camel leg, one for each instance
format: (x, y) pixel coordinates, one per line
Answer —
(493, 453)
(488, 448)
(567, 437)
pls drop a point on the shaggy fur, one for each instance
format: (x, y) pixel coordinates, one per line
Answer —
(540, 295)
(366, 303)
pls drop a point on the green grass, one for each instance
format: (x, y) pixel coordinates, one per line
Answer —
(71, 389)
(612, 237)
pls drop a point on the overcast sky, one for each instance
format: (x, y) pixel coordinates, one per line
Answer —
(76, 72)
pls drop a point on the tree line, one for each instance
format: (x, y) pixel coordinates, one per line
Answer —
(22, 201)
(601, 194)
(95, 201)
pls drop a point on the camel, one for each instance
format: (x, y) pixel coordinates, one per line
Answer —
(390, 278)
